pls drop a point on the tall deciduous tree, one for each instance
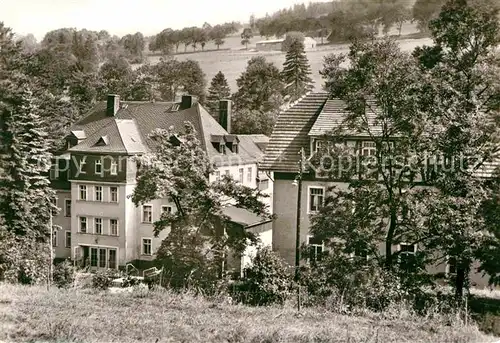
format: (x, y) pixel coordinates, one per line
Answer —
(296, 72)
(462, 95)
(200, 235)
(116, 75)
(380, 206)
(246, 35)
(259, 87)
(218, 90)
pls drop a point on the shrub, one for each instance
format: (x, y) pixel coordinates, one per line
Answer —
(64, 274)
(23, 259)
(267, 281)
(351, 283)
(102, 279)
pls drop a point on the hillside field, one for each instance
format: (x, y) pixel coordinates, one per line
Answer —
(232, 60)
(33, 314)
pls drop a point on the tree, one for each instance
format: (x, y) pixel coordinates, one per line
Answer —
(200, 235)
(259, 87)
(217, 34)
(462, 95)
(290, 38)
(245, 121)
(381, 204)
(424, 11)
(218, 90)
(246, 35)
(25, 204)
(134, 45)
(296, 72)
(116, 75)
(173, 76)
(29, 42)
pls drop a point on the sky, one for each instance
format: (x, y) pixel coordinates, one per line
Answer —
(128, 16)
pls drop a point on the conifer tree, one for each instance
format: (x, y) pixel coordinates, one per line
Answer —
(218, 90)
(26, 196)
(296, 71)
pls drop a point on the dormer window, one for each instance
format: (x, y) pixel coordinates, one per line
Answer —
(232, 143)
(222, 148)
(104, 140)
(218, 143)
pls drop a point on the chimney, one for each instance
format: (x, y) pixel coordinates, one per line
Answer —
(225, 114)
(113, 105)
(186, 102)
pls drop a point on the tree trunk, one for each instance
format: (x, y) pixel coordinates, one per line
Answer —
(460, 280)
(389, 239)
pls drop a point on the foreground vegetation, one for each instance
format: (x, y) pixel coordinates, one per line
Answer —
(35, 314)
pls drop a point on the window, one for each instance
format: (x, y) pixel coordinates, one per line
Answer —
(316, 195)
(83, 224)
(114, 168)
(249, 175)
(98, 193)
(227, 173)
(54, 238)
(166, 209)
(83, 192)
(54, 173)
(315, 247)
(113, 194)
(241, 171)
(217, 175)
(102, 258)
(368, 148)
(112, 259)
(98, 166)
(147, 213)
(113, 227)
(146, 246)
(98, 226)
(83, 162)
(54, 211)
(67, 239)
(319, 145)
(222, 148)
(93, 257)
(67, 207)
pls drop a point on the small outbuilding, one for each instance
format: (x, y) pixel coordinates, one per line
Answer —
(277, 44)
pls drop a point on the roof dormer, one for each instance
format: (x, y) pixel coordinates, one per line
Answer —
(232, 142)
(219, 143)
(102, 141)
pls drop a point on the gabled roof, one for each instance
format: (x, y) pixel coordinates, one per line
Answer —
(147, 117)
(290, 133)
(333, 114)
(116, 136)
(258, 147)
(243, 217)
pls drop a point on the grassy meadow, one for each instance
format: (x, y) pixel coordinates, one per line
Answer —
(33, 314)
(232, 60)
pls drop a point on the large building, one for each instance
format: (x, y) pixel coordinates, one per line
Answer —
(302, 127)
(96, 174)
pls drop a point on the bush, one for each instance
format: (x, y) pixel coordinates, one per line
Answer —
(103, 279)
(290, 38)
(64, 274)
(351, 284)
(23, 259)
(267, 281)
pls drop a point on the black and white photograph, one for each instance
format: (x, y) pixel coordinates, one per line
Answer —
(250, 172)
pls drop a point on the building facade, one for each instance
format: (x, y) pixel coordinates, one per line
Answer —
(302, 128)
(98, 223)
